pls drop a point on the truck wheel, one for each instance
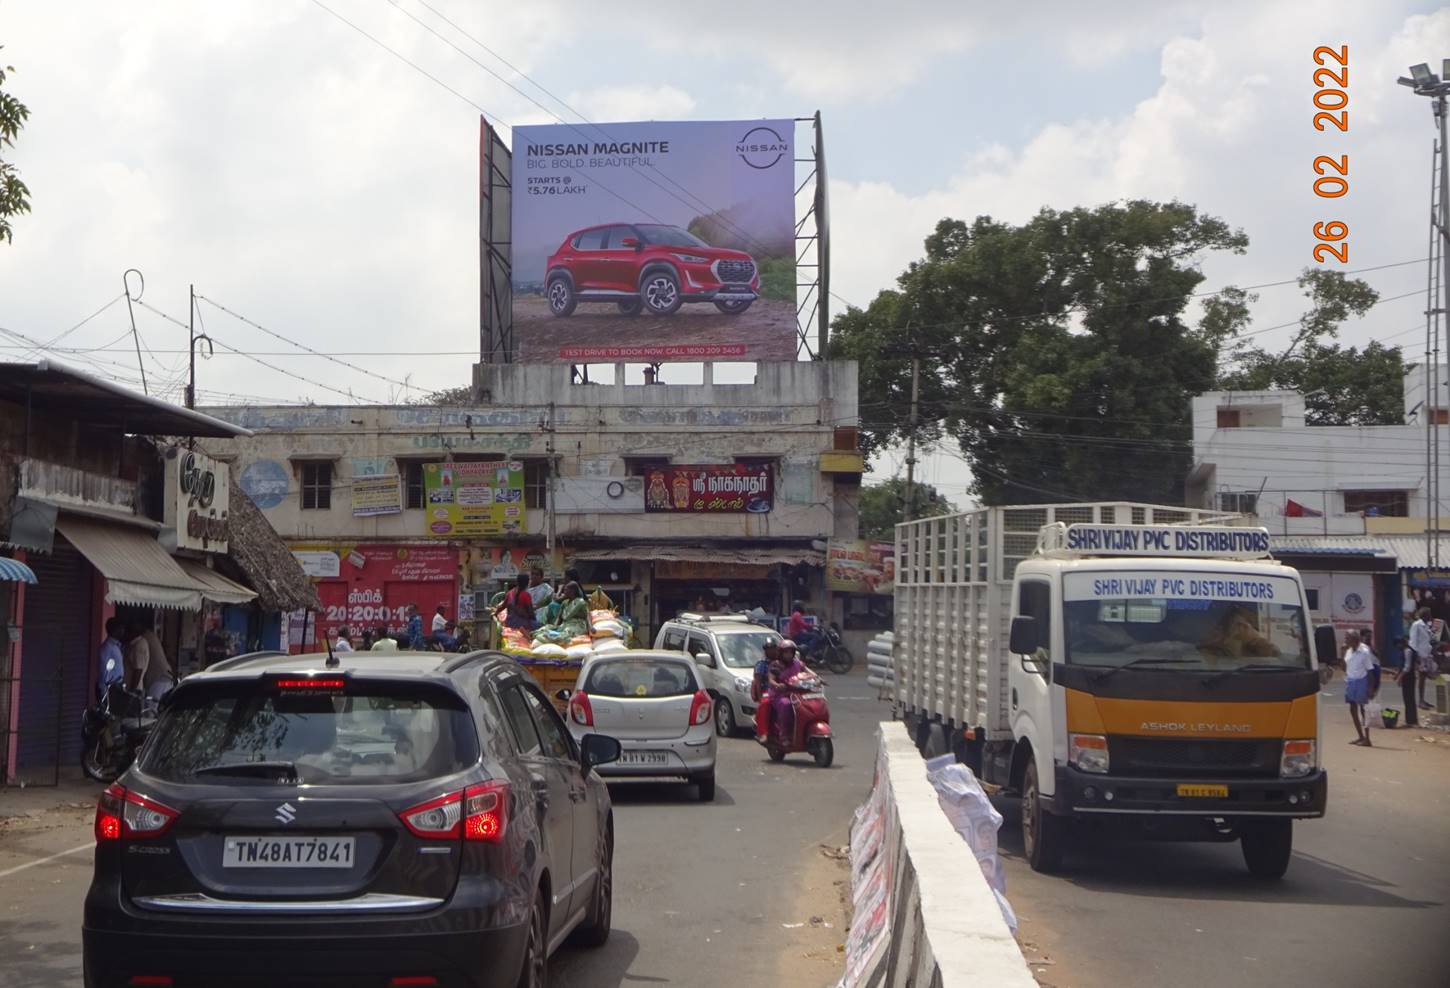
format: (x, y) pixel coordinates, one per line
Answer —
(1267, 846)
(1042, 832)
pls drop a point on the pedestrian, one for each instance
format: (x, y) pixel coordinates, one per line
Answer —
(439, 620)
(414, 630)
(344, 640)
(1421, 644)
(216, 646)
(111, 666)
(382, 641)
(147, 668)
(1358, 664)
(1405, 676)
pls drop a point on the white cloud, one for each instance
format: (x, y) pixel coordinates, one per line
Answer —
(633, 103)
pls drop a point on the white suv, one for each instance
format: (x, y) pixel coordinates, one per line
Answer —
(726, 648)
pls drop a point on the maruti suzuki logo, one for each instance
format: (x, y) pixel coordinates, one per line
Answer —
(286, 813)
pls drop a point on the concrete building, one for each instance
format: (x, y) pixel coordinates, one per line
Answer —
(668, 496)
(1347, 505)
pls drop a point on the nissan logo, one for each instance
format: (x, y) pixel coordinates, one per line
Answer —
(762, 147)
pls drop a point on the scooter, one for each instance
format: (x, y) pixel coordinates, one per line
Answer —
(114, 730)
(829, 649)
(810, 725)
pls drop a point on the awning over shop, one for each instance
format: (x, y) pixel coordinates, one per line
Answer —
(215, 587)
(14, 571)
(770, 555)
(1392, 551)
(137, 569)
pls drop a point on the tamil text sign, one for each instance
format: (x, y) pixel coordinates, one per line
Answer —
(654, 241)
(483, 498)
(376, 495)
(197, 500)
(707, 488)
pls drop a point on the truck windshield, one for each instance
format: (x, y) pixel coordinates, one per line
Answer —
(1194, 621)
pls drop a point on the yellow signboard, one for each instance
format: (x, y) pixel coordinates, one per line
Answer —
(485, 498)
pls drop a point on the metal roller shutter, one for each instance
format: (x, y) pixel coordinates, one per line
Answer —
(55, 668)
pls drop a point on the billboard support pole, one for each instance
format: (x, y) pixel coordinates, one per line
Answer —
(495, 254)
(813, 307)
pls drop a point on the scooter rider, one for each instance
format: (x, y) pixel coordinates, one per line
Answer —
(760, 688)
(786, 666)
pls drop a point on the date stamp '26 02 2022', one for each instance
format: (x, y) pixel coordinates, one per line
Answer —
(1331, 113)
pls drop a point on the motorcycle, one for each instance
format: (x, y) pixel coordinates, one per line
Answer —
(828, 649)
(810, 725)
(114, 730)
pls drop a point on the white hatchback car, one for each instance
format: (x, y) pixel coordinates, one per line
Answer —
(655, 706)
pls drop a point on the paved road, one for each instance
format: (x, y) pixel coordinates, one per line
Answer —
(1366, 900)
(705, 894)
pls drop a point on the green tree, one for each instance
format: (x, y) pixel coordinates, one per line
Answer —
(1341, 385)
(461, 396)
(1055, 353)
(883, 505)
(14, 195)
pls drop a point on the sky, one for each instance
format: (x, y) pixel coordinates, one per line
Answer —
(307, 179)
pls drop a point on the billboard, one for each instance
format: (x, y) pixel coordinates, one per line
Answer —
(654, 241)
(858, 566)
(709, 489)
(483, 498)
(197, 501)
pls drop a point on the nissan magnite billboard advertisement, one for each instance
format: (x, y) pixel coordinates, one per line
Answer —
(654, 241)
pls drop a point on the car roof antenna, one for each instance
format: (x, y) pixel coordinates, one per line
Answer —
(332, 660)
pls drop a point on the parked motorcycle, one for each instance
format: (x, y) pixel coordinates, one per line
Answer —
(829, 649)
(114, 730)
(810, 726)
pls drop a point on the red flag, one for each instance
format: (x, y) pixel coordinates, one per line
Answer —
(1293, 509)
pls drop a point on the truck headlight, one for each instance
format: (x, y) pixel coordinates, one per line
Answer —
(1089, 752)
(1300, 758)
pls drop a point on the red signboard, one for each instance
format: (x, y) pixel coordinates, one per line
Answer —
(709, 488)
(376, 583)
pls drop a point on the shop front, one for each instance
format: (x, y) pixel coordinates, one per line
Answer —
(367, 587)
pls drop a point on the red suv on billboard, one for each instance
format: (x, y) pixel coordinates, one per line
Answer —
(648, 267)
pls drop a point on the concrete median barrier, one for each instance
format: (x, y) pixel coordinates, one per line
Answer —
(924, 913)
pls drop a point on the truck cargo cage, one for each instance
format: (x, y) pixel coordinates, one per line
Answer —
(954, 596)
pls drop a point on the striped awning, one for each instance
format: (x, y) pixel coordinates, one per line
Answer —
(137, 569)
(14, 571)
(215, 587)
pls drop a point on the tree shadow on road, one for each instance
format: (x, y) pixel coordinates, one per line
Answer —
(1102, 862)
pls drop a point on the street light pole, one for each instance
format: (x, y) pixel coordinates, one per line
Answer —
(1426, 83)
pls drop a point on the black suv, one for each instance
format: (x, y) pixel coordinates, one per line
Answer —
(377, 819)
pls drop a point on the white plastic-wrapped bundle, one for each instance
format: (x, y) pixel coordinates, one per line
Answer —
(550, 651)
(972, 815)
(579, 651)
(610, 645)
(610, 628)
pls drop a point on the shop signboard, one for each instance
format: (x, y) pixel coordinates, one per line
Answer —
(197, 500)
(377, 495)
(692, 222)
(482, 498)
(858, 566)
(726, 488)
(378, 583)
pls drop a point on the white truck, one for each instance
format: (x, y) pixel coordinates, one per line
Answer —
(1133, 665)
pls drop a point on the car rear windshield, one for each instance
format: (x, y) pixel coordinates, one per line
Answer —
(647, 678)
(368, 734)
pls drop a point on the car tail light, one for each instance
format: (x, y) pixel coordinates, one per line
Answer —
(478, 813)
(437, 819)
(579, 710)
(150, 981)
(121, 812)
(413, 981)
(700, 709)
(485, 812)
(310, 684)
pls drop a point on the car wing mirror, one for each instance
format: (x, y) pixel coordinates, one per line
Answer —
(1326, 646)
(1023, 639)
(598, 749)
(705, 659)
(632, 242)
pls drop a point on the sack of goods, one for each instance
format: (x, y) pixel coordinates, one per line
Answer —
(550, 652)
(610, 645)
(579, 651)
(609, 629)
